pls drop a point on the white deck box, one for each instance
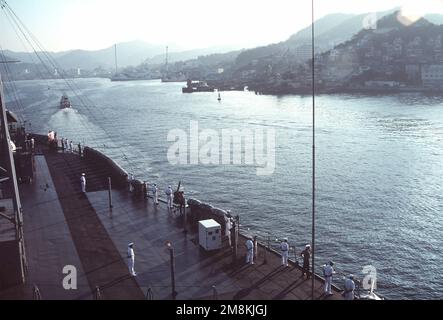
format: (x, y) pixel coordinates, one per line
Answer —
(210, 237)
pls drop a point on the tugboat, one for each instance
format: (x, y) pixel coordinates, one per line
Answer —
(197, 86)
(64, 102)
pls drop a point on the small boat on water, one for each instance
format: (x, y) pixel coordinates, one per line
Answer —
(64, 102)
(197, 86)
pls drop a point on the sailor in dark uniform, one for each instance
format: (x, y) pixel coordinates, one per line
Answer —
(306, 254)
(349, 288)
(249, 251)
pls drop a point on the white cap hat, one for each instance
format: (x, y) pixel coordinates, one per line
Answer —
(308, 246)
(130, 244)
(83, 174)
(285, 239)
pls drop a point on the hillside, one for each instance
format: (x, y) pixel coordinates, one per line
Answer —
(189, 54)
(394, 52)
(391, 55)
(128, 53)
(330, 30)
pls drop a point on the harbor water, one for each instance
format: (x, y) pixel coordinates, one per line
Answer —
(379, 165)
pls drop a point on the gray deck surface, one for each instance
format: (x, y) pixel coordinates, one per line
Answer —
(65, 227)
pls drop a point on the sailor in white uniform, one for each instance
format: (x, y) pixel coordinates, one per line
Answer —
(83, 182)
(249, 251)
(131, 181)
(328, 271)
(228, 226)
(131, 259)
(284, 247)
(155, 193)
(349, 288)
(169, 194)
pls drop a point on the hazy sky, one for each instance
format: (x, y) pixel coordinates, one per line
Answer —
(95, 24)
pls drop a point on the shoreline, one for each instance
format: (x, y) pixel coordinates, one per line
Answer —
(375, 91)
(350, 91)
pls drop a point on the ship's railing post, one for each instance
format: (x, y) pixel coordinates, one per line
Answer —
(357, 282)
(172, 262)
(36, 293)
(145, 190)
(295, 255)
(149, 294)
(255, 248)
(97, 293)
(268, 246)
(214, 293)
(235, 227)
(185, 218)
(110, 192)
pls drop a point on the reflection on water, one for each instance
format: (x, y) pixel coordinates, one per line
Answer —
(379, 166)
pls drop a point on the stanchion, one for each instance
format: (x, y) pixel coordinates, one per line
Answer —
(172, 261)
(255, 248)
(110, 192)
(214, 293)
(97, 293)
(149, 294)
(36, 293)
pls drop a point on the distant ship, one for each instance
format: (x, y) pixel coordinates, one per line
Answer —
(64, 102)
(132, 77)
(120, 77)
(171, 76)
(197, 86)
(180, 77)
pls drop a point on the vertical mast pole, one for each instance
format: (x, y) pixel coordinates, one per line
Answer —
(5, 150)
(313, 153)
(167, 60)
(115, 54)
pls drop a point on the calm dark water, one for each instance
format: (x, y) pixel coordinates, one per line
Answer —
(379, 166)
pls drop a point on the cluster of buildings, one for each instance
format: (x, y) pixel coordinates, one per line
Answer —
(393, 57)
(401, 59)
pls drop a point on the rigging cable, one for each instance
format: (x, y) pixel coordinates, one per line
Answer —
(71, 84)
(313, 151)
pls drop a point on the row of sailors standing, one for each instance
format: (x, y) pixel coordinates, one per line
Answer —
(328, 273)
(251, 247)
(68, 145)
(30, 144)
(171, 196)
(328, 269)
(154, 190)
